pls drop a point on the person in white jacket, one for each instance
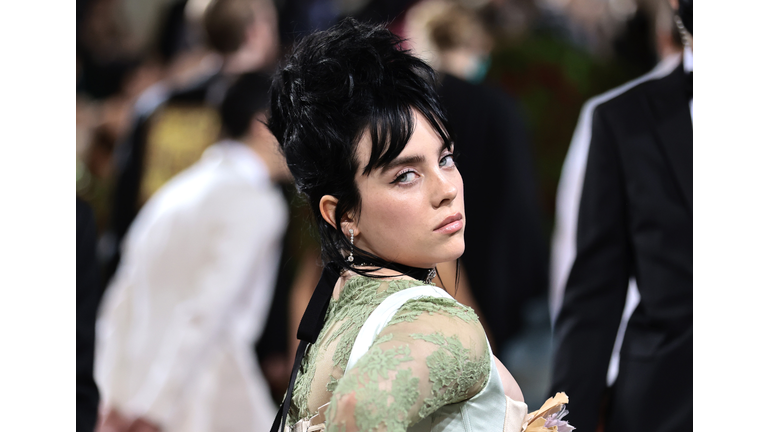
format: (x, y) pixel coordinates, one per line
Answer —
(179, 320)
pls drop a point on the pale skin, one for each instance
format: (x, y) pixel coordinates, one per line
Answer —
(404, 206)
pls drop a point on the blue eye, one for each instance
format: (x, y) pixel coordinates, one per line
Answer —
(405, 177)
(447, 161)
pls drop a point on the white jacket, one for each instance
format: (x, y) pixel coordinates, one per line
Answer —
(178, 322)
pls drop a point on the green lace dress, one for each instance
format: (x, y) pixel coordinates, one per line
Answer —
(432, 353)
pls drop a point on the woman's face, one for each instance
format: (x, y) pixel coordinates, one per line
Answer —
(412, 210)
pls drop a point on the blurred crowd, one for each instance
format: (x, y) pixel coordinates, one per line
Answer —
(171, 99)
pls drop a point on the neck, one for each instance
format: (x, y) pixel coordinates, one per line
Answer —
(274, 162)
(372, 266)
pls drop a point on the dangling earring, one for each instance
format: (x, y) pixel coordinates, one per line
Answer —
(351, 258)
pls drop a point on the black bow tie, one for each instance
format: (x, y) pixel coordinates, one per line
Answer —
(689, 85)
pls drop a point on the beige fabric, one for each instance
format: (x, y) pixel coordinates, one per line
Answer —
(514, 416)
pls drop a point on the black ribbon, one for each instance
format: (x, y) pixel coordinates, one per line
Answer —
(309, 328)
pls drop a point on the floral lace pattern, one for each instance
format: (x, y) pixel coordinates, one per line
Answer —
(432, 353)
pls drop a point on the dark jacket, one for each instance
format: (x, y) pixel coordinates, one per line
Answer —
(635, 220)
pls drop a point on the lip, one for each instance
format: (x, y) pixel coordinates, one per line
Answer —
(451, 224)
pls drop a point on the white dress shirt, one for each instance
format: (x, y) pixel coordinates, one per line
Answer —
(179, 319)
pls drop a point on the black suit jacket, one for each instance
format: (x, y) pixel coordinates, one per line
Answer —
(635, 219)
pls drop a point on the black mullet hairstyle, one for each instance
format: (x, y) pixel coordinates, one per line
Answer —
(335, 86)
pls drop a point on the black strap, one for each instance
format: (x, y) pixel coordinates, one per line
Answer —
(312, 321)
(309, 330)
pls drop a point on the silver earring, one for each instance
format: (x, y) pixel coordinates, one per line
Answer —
(351, 258)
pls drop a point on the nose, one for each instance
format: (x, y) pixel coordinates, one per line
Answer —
(446, 187)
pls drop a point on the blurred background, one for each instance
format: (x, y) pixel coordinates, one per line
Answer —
(515, 72)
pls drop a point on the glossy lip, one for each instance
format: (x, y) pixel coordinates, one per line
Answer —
(451, 224)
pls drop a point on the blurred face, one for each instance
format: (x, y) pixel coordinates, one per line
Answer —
(412, 210)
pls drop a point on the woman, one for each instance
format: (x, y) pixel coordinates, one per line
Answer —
(368, 144)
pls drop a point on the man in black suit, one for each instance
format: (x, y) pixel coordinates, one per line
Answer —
(635, 221)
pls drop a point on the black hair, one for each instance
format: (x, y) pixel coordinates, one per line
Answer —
(336, 86)
(246, 97)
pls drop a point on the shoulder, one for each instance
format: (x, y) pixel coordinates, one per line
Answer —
(432, 305)
(463, 96)
(627, 97)
(214, 192)
(195, 91)
(440, 315)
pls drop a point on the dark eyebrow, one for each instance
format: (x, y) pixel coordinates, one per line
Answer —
(400, 161)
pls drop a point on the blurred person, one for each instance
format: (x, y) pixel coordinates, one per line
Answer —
(101, 123)
(191, 296)
(450, 37)
(506, 257)
(106, 50)
(625, 219)
(669, 47)
(176, 119)
(88, 296)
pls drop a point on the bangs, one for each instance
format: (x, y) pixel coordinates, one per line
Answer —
(392, 126)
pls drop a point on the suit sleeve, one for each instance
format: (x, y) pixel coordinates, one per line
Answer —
(595, 292)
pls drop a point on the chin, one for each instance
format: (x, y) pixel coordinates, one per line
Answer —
(451, 251)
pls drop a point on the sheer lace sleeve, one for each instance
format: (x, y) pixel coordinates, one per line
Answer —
(433, 352)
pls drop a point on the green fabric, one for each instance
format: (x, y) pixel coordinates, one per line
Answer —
(432, 353)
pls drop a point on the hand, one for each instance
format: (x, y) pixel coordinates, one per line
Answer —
(143, 425)
(113, 421)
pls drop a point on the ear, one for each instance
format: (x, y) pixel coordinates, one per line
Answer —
(328, 205)
(328, 209)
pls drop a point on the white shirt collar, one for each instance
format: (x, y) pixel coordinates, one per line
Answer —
(246, 161)
(688, 60)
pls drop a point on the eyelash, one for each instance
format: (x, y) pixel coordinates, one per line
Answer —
(402, 174)
(449, 155)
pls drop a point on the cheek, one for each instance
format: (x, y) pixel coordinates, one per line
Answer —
(388, 216)
(391, 225)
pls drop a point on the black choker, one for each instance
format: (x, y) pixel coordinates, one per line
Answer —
(421, 274)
